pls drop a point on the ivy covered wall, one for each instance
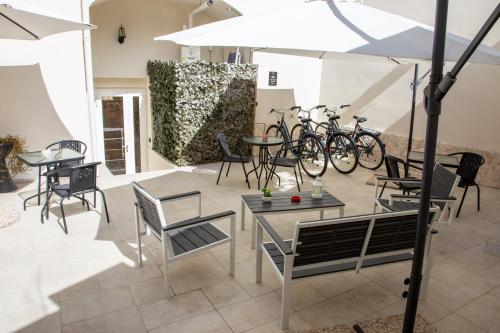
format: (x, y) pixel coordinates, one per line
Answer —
(193, 101)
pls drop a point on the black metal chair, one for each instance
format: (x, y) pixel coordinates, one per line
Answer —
(467, 170)
(281, 160)
(75, 145)
(228, 156)
(181, 239)
(393, 166)
(82, 179)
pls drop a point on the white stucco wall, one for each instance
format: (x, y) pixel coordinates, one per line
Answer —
(381, 91)
(45, 102)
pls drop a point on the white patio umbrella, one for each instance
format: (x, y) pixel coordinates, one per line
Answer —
(328, 29)
(21, 21)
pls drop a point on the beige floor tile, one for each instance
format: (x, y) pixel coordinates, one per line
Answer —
(252, 313)
(243, 253)
(334, 284)
(48, 324)
(245, 276)
(123, 275)
(341, 309)
(431, 311)
(122, 321)
(85, 287)
(176, 308)
(196, 272)
(297, 324)
(225, 293)
(210, 322)
(483, 312)
(495, 292)
(95, 304)
(374, 296)
(148, 291)
(457, 324)
(449, 297)
(303, 295)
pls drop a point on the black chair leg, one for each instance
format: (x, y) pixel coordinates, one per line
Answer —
(300, 173)
(269, 176)
(63, 216)
(220, 171)
(296, 179)
(462, 201)
(46, 205)
(245, 172)
(105, 204)
(95, 197)
(255, 168)
(229, 167)
(382, 192)
(83, 201)
(478, 197)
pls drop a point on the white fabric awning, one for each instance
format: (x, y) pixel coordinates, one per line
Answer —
(26, 22)
(326, 29)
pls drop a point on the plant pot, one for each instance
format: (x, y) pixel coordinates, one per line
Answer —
(267, 199)
(6, 183)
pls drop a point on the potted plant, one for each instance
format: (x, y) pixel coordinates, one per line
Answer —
(267, 196)
(10, 146)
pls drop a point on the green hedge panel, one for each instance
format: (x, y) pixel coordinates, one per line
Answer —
(192, 101)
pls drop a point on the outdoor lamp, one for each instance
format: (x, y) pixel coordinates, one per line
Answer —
(210, 3)
(121, 34)
(317, 186)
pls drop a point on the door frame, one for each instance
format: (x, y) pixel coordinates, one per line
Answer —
(125, 92)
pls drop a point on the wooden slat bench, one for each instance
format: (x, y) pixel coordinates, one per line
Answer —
(341, 244)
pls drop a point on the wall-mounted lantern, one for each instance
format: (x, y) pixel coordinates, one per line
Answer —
(121, 34)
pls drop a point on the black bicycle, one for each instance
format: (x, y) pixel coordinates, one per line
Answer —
(369, 145)
(311, 152)
(340, 147)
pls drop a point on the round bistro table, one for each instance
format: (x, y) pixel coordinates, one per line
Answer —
(263, 144)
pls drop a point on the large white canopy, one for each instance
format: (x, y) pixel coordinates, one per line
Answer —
(327, 29)
(21, 21)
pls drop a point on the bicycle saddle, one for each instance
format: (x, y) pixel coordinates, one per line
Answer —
(335, 117)
(360, 119)
(305, 120)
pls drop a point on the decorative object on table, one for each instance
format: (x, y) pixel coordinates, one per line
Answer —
(10, 145)
(295, 198)
(264, 137)
(317, 187)
(193, 101)
(8, 217)
(267, 196)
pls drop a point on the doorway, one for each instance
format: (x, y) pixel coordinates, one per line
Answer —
(121, 130)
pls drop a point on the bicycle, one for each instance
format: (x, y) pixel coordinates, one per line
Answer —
(339, 145)
(311, 152)
(370, 147)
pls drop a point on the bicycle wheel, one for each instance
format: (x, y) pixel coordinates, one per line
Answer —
(343, 153)
(274, 131)
(296, 131)
(371, 150)
(312, 156)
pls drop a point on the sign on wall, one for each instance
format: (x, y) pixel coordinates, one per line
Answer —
(273, 79)
(190, 53)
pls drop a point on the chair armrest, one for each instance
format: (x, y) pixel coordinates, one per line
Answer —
(400, 180)
(198, 220)
(285, 249)
(179, 196)
(417, 197)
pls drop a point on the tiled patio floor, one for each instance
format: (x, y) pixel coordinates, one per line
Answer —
(87, 281)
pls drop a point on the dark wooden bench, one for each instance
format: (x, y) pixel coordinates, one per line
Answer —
(341, 244)
(184, 238)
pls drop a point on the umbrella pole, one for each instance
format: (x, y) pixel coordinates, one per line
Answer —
(412, 114)
(434, 93)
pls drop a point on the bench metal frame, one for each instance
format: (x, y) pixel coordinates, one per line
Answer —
(289, 252)
(168, 229)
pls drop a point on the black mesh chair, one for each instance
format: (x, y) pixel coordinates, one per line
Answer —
(82, 179)
(467, 170)
(281, 160)
(228, 156)
(444, 183)
(75, 145)
(393, 166)
(184, 238)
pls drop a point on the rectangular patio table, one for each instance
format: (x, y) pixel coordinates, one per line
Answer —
(282, 204)
(37, 159)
